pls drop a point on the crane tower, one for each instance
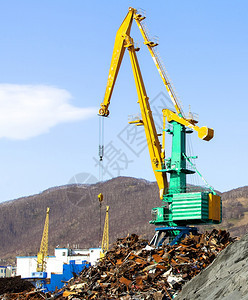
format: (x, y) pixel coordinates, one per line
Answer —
(42, 254)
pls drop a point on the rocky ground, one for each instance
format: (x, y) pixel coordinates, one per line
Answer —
(226, 278)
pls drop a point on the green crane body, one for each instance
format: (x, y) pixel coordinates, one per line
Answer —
(183, 207)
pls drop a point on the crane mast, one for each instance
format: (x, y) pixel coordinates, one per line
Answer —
(42, 254)
(180, 207)
(105, 238)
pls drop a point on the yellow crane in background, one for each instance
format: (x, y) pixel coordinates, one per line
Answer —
(105, 237)
(42, 254)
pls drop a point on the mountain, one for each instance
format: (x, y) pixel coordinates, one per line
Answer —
(75, 215)
(235, 211)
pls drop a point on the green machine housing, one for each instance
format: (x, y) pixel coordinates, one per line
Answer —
(185, 205)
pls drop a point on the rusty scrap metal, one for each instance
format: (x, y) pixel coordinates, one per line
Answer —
(25, 295)
(133, 270)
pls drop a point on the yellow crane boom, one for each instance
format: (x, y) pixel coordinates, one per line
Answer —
(42, 254)
(123, 41)
(118, 53)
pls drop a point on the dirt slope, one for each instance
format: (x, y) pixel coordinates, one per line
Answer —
(226, 278)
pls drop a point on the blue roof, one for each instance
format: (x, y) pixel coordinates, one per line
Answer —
(32, 256)
(62, 248)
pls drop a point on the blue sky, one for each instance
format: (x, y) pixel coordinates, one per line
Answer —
(55, 57)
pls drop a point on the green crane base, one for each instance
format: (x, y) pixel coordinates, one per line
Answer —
(188, 208)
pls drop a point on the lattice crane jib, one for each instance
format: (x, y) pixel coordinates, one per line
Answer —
(42, 254)
(105, 238)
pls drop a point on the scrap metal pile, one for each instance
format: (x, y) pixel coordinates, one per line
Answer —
(134, 270)
(32, 295)
(16, 288)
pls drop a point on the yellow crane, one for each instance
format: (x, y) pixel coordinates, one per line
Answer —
(105, 237)
(42, 254)
(180, 207)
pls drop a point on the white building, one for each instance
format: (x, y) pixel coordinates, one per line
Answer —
(7, 271)
(27, 264)
(3, 270)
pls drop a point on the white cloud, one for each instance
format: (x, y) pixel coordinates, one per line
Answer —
(30, 110)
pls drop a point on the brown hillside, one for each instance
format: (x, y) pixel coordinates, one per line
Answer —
(235, 211)
(74, 215)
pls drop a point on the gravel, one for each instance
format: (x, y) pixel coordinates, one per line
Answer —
(226, 278)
